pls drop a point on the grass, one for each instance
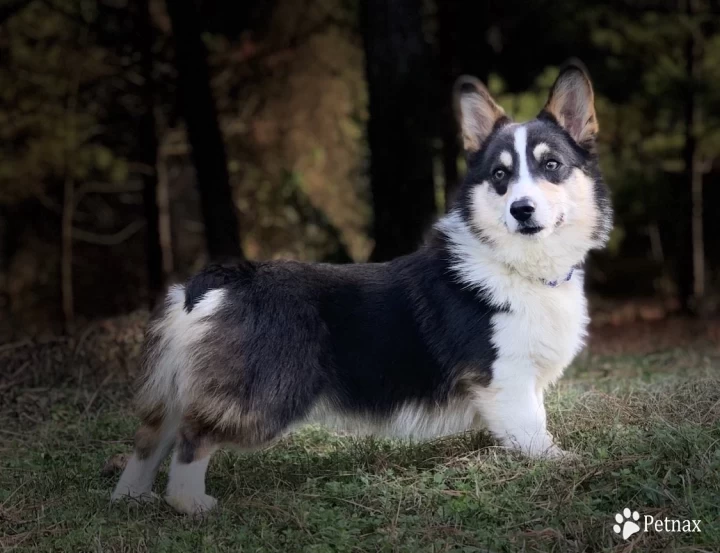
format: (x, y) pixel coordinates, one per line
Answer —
(648, 430)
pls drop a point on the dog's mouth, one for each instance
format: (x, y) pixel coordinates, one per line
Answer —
(529, 230)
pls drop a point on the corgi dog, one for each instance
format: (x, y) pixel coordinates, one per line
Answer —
(467, 331)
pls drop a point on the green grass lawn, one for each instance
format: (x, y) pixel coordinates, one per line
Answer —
(648, 431)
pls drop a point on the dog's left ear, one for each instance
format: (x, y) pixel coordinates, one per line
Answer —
(572, 104)
(476, 112)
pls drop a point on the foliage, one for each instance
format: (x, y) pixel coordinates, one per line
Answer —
(289, 84)
(300, 149)
(50, 124)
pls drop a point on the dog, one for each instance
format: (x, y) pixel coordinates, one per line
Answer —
(469, 330)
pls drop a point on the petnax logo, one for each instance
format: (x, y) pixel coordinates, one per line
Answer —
(628, 523)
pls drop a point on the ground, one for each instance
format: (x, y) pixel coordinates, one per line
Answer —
(647, 428)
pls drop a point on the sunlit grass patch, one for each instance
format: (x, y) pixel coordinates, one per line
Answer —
(650, 442)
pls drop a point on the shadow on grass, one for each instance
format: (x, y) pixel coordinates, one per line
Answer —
(315, 453)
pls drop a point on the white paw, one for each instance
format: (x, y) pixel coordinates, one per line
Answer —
(548, 450)
(122, 493)
(560, 454)
(191, 505)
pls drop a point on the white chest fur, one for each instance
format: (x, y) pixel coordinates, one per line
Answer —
(542, 327)
(542, 330)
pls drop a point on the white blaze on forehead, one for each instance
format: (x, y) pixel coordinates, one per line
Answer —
(521, 149)
(540, 149)
(506, 159)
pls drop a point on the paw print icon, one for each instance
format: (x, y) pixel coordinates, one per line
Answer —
(627, 523)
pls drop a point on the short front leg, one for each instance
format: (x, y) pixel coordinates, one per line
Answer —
(514, 412)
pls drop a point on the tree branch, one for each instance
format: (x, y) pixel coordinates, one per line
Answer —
(108, 239)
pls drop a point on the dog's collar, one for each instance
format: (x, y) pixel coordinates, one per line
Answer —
(556, 283)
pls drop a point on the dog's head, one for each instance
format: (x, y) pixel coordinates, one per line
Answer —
(534, 189)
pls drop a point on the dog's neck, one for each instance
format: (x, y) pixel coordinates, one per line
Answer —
(556, 283)
(475, 261)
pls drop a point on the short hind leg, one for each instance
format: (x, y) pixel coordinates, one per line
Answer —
(153, 442)
(186, 484)
(206, 425)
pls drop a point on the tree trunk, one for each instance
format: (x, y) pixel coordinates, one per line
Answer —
(5, 253)
(400, 127)
(147, 151)
(697, 232)
(447, 15)
(691, 255)
(68, 213)
(165, 218)
(66, 255)
(208, 150)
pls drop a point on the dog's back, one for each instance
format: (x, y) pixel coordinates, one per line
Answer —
(253, 349)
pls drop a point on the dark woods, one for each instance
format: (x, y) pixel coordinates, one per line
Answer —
(197, 107)
(143, 139)
(400, 129)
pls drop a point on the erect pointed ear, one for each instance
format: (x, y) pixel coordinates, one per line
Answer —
(476, 111)
(572, 103)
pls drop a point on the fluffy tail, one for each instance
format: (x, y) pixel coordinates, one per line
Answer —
(172, 341)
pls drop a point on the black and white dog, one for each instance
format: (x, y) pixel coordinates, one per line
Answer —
(470, 329)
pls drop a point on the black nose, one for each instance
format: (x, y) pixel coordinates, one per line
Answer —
(522, 209)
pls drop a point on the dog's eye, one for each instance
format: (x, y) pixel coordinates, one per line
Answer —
(551, 165)
(499, 174)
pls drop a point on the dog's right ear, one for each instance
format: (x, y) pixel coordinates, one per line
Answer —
(476, 111)
(572, 103)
